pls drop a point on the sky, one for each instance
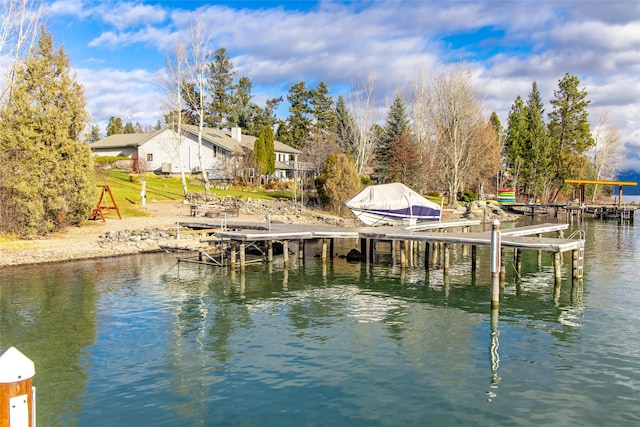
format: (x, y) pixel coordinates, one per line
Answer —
(118, 47)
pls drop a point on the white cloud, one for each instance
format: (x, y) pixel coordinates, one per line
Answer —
(126, 15)
(341, 43)
(130, 95)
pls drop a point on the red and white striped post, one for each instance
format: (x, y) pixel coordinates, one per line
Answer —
(17, 394)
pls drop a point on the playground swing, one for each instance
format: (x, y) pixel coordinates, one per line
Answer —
(103, 207)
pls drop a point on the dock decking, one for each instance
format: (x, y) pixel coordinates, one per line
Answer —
(243, 236)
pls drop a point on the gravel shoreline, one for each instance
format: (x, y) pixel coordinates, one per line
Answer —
(126, 236)
(135, 235)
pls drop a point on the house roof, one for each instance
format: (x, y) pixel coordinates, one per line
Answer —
(249, 141)
(219, 137)
(224, 138)
(123, 140)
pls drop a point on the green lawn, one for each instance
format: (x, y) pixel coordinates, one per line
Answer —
(126, 189)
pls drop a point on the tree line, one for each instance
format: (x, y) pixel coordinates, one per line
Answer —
(435, 136)
(439, 139)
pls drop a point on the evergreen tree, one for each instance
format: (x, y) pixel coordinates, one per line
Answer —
(93, 134)
(539, 149)
(339, 182)
(570, 130)
(515, 145)
(269, 149)
(346, 128)
(221, 75)
(265, 116)
(298, 122)
(47, 177)
(191, 108)
(260, 155)
(128, 128)
(494, 120)
(323, 112)
(397, 123)
(114, 126)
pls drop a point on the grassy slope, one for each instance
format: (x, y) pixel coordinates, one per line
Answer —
(160, 188)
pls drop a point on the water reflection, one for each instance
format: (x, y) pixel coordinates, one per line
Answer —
(148, 341)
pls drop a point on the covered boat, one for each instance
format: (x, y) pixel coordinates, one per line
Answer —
(392, 204)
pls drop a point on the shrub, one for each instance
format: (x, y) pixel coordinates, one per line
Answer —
(468, 196)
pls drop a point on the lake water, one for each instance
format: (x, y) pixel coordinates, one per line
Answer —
(146, 341)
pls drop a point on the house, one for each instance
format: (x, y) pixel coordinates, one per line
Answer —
(225, 154)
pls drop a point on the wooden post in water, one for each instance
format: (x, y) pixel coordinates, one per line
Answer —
(17, 394)
(446, 255)
(324, 250)
(557, 267)
(243, 256)
(496, 245)
(285, 252)
(474, 258)
(426, 255)
(403, 255)
(232, 255)
(301, 249)
(331, 248)
(269, 251)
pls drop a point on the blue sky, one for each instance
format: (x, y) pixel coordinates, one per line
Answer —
(117, 47)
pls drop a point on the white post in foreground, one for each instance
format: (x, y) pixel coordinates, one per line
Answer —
(17, 394)
(495, 263)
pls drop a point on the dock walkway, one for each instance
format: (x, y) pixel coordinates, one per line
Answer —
(239, 237)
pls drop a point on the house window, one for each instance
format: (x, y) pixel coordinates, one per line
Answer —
(215, 151)
(150, 157)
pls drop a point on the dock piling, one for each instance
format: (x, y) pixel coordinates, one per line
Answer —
(495, 264)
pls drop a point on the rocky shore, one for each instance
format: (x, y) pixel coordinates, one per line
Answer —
(116, 237)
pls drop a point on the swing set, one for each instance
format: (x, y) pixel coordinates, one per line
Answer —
(102, 208)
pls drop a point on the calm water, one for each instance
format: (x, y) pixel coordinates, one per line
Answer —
(147, 341)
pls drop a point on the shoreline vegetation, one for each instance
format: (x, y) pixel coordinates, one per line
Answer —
(145, 234)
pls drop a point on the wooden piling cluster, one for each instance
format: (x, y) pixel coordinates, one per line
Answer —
(437, 238)
(405, 241)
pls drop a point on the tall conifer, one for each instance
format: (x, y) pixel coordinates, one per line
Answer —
(47, 177)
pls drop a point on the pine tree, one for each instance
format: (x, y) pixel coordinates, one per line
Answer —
(397, 123)
(323, 112)
(298, 122)
(346, 128)
(515, 145)
(570, 130)
(539, 148)
(221, 75)
(47, 177)
(92, 134)
(114, 126)
(128, 128)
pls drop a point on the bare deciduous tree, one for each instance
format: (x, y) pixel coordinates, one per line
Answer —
(171, 82)
(605, 154)
(19, 21)
(457, 130)
(363, 107)
(197, 70)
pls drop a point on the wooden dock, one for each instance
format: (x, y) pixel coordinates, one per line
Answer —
(229, 246)
(618, 212)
